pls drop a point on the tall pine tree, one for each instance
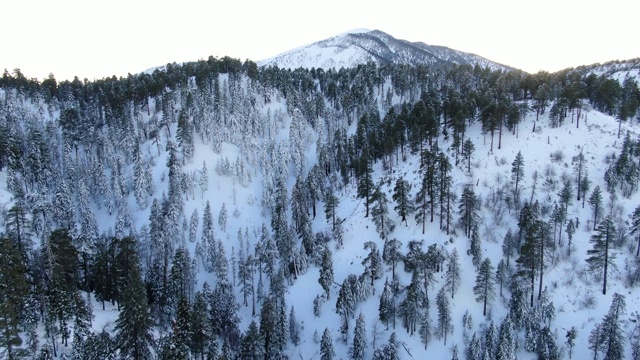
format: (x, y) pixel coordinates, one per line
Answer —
(601, 256)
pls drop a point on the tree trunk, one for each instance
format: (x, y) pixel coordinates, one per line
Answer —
(492, 133)
(541, 265)
(500, 136)
(606, 262)
(486, 290)
(619, 127)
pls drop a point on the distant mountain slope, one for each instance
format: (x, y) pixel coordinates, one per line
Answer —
(361, 46)
(617, 69)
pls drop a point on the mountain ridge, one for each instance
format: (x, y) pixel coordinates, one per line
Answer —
(361, 46)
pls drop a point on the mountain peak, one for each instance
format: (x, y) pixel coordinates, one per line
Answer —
(356, 31)
(359, 46)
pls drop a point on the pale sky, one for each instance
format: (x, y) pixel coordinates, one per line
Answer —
(97, 38)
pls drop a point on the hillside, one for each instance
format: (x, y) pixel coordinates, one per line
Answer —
(618, 70)
(217, 172)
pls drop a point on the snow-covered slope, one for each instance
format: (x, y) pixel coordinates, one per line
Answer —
(361, 46)
(575, 292)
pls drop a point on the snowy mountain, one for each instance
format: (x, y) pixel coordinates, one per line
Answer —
(361, 46)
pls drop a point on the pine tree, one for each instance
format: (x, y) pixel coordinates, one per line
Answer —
(609, 335)
(82, 319)
(595, 201)
(182, 276)
(193, 226)
(282, 327)
(517, 173)
(485, 282)
(251, 347)
(279, 223)
(17, 228)
(490, 342)
(508, 245)
(452, 275)
(389, 351)
(570, 230)
(409, 308)
(454, 352)
(13, 282)
(566, 195)
(317, 303)
(387, 307)
(600, 256)
(96, 347)
(380, 212)
(372, 263)
(579, 168)
(177, 344)
(635, 341)
(294, 328)
(445, 322)
(326, 346)
(585, 185)
(426, 198)
(365, 181)
(338, 233)
(474, 350)
(268, 327)
(200, 329)
(468, 210)
(475, 247)
(467, 150)
(404, 205)
(425, 329)
(46, 353)
(326, 272)
(221, 264)
(222, 218)
(330, 207)
(63, 209)
(502, 274)
(207, 248)
(635, 227)
(467, 326)
(547, 348)
(571, 336)
(140, 180)
(223, 310)
(133, 328)
(245, 268)
(203, 181)
(506, 341)
(391, 254)
(446, 197)
(184, 136)
(60, 258)
(359, 345)
(529, 260)
(596, 339)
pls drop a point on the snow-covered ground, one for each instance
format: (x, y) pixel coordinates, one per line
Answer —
(575, 293)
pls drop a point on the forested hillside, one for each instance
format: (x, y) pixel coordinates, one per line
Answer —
(221, 210)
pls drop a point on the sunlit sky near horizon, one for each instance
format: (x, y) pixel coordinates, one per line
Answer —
(96, 39)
